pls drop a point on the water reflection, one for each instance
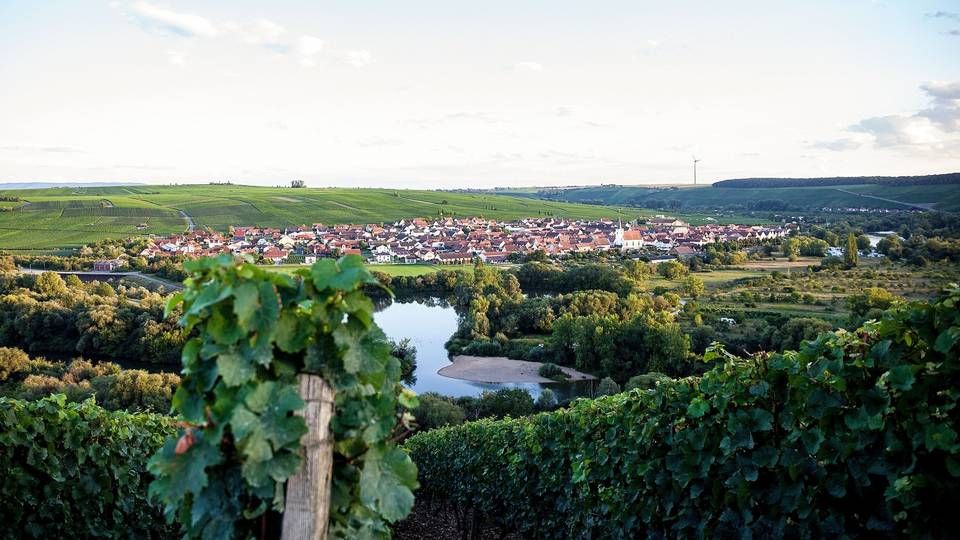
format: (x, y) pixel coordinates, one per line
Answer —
(429, 323)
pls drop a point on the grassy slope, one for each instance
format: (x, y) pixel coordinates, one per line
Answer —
(45, 224)
(946, 197)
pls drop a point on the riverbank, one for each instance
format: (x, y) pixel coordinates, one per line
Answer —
(498, 369)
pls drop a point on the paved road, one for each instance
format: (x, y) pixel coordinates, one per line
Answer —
(146, 277)
(190, 224)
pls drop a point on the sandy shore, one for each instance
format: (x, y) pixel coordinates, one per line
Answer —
(497, 369)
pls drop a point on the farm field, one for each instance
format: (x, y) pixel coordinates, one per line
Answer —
(80, 216)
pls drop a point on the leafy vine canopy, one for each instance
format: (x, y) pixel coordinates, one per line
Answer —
(252, 332)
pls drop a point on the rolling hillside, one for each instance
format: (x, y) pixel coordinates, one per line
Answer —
(936, 197)
(69, 217)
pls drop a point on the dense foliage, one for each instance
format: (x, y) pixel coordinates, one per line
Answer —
(256, 331)
(853, 435)
(110, 385)
(74, 470)
(49, 315)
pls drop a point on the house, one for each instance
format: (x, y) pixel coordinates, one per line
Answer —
(684, 253)
(107, 266)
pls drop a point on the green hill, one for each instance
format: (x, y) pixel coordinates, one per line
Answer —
(70, 217)
(944, 197)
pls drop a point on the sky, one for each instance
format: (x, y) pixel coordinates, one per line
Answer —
(454, 94)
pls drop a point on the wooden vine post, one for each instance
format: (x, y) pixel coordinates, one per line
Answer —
(307, 507)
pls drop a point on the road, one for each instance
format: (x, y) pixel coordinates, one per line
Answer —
(91, 274)
(190, 224)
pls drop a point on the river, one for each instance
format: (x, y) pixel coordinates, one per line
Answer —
(429, 324)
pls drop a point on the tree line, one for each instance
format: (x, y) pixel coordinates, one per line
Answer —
(919, 180)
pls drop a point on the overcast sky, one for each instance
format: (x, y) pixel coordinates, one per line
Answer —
(456, 94)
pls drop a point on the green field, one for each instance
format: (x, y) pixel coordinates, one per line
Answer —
(70, 217)
(940, 197)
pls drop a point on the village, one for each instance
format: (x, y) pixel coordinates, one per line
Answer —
(457, 241)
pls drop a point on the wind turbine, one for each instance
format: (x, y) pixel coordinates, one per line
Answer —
(695, 160)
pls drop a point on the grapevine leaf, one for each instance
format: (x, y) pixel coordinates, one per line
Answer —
(386, 482)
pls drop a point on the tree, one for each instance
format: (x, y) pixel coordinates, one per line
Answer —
(693, 287)
(851, 256)
(50, 284)
(672, 269)
(436, 411)
(404, 351)
(863, 243)
(505, 402)
(891, 246)
(12, 361)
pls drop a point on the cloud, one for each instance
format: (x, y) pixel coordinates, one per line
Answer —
(839, 145)
(357, 59)
(942, 90)
(949, 15)
(262, 33)
(952, 33)
(564, 111)
(181, 24)
(532, 67)
(934, 129)
(308, 48)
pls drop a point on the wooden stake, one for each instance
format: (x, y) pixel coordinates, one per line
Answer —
(307, 507)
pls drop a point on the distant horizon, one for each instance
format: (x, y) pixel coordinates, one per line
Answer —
(445, 95)
(42, 184)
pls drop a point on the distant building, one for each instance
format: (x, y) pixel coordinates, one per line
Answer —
(631, 239)
(107, 266)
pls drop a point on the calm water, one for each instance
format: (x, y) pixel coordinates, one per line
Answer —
(429, 324)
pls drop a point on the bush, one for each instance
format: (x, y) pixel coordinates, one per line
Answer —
(12, 361)
(853, 436)
(74, 470)
(436, 411)
(552, 371)
(646, 381)
(483, 348)
(547, 400)
(505, 402)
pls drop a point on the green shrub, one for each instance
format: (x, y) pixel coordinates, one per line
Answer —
(853, 436)
(74, 470)
(487, 347)
(646, 381)
(552, 371)
(436, 411)
(547, 400)
(12, 361)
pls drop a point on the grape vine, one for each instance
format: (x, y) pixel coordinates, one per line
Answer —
(254, 331)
